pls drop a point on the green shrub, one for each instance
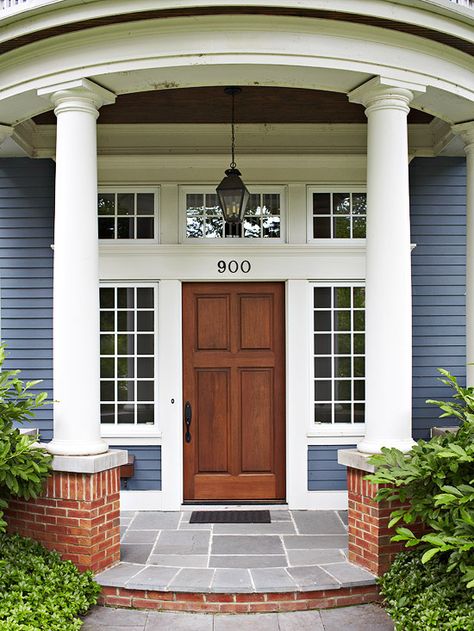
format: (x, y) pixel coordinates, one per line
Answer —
(436, 478)
(39, 591)
(23, 467)
(424, 597)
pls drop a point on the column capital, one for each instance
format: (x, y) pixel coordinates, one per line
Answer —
(466, 131)
(5, 132)
(383, 93)
(80, 95)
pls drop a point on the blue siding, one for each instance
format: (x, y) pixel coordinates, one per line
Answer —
(438, 220)
(26, 272)
(147, 468)
(324, 472)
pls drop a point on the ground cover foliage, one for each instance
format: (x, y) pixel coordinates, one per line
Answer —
(433, 587)
(39, 591)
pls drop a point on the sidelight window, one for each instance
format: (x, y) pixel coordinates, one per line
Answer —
(128, 354)
(339, 354)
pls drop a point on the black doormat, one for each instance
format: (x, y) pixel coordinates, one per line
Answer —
(230, 517)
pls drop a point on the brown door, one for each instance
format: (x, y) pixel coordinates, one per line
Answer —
(234, 381)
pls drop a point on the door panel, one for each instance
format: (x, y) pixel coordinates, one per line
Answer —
(233, 359)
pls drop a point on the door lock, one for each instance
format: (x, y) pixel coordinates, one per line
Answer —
(188, 415)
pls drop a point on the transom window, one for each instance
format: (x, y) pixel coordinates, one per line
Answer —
(339, 354)
(126, 214)
(335, 215)
(127, 354)
(203, 216)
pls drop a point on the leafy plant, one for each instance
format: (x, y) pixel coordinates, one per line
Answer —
(40, 591)
(23, 465)
(419, 596)
(435, 481)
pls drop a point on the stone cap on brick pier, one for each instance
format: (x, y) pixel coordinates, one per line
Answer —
(91, 464)
(355, 459)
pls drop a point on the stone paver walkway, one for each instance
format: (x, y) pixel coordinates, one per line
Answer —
(298, 551)
(360, 618)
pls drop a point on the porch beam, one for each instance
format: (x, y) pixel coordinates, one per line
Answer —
(76, 348)
(466, 131)
(388, 266)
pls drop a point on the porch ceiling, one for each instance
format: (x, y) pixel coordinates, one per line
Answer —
(255, 105)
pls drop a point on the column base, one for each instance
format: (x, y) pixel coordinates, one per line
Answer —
(368, 446)
(78, 514)
(77, 447)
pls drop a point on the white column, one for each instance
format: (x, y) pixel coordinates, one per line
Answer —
(466, 131)
(388, 268)
(76, 270)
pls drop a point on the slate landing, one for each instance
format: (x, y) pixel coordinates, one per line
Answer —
(299, 551)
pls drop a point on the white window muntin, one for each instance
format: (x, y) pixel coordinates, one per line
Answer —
(331, 189)
(332, 426)
(134, 429)
(184, 191)
(136, 190)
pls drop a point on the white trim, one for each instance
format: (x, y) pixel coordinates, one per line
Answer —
(142, 500)
(322, 500)
(133, 440)
(334, 439)
(281, 190)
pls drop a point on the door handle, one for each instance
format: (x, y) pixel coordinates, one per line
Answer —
(188, 416)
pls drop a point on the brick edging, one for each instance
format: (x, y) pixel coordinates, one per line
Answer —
(238, 603)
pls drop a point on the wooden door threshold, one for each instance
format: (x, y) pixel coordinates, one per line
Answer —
(236, 503)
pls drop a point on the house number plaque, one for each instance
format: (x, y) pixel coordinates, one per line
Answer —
(233, 266)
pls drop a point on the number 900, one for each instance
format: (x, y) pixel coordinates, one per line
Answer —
(233, 266)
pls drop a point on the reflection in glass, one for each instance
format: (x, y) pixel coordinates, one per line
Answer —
(125, 228)
(107, 391)
(321, 203)
(359, 412)
(106, 203)
(107, 297)
(106, 227)
(342, 228)
(125, 203)
(145, 204)
(322, 390)
(126, 367)
(342, 344)
(341, 203)
(125, 321)
(322, 367)
(107, 413)
(342, 297)
(145, 367)
(145, 228)
(107, 344)
(126, 413)
(125, 390)
(107, 321)
(145, 391)
(342, 320)
(125, 344)
(146, 413)
(107, 367)
(126, 297)
(359, 390)
(342, 366)
(145, 344)
(342, 390)
(322, 413)
(342, 413)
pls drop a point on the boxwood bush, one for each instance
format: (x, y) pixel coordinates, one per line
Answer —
(39, 591)
(425, 597)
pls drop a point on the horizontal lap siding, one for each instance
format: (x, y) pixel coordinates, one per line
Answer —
(438, 228)
(324, 472)
(147, 474)
(26, 272)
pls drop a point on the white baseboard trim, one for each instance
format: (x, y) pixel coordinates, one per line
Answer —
(141, 500)
(321, 500)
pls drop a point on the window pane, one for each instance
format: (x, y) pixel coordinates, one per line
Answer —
(126, 297)
(126, 367)
(322, 390)
(359, 390)
(359, 297)
(107, 344)
(106, 228)
(107, 321)
(146, 414)
(107, 391)
(322, 297)
(145, 344)
(125, 390)
(342, 228)
(271, 203)
(212, 204)
(342, 390)
(214, 228)
(125, 321)
(358, 227)
(342, 297)
(252, 228)
(194, 227)
(359, 366)
(107, 413)
(343, 413)
(322, 227)
(359, 412)
(322, 367)
(359, 344)
(126, 413)
(125, 344)
(145, 228)
(195, 201)
(107, 298)
(125, 228)
(145, 391)
(145, 204)
(359, 320)
(107, 367)
(342, 344)
(341, 203)
(125, 203)
(321, 203)
(342, 366)
(322, 344)
(106, 203)
(322, 413)
(322, 320)
(271, 227)
(359, 203)
(145, 298)
(342, 320)
(145, 367)
(253, 206)
(145, 321)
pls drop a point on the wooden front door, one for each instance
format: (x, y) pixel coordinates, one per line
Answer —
(234, 382)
